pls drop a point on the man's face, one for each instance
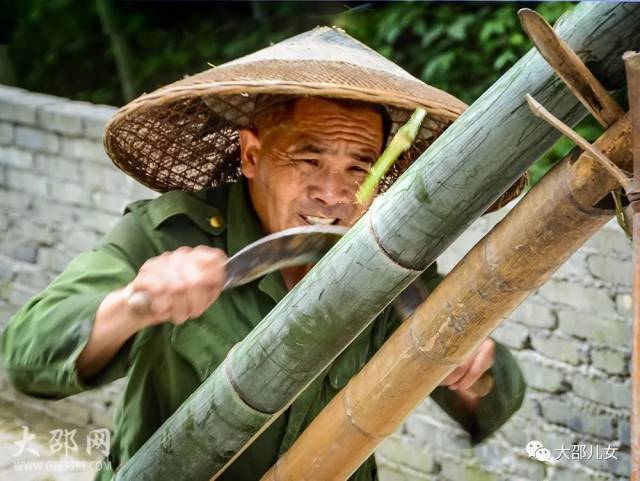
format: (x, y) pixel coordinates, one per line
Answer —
(307, 169)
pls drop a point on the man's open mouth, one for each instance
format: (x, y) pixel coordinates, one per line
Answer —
(314, 220)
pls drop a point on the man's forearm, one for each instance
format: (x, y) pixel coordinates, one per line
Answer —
(114, 324)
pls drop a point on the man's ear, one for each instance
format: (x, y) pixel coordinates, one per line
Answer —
(249, 150)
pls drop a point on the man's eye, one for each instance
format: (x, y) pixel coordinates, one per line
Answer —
(359, 170)
(308, 161)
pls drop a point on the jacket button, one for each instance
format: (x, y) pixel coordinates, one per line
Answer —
(216, 221)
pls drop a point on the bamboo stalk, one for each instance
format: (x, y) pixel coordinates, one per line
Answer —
(613, 169)
(509, 263)
(632, 64)
(463, 172)
(400, 143)
(570, 68)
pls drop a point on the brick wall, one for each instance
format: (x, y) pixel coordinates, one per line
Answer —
(59, 193)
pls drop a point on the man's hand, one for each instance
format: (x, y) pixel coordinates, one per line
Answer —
(467, 373)
(180, 284)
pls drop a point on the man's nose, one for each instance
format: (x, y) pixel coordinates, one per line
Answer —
(330, 188)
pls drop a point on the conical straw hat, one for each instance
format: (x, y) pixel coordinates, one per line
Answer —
(185, 134)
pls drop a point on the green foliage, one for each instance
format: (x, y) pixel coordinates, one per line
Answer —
(462, 48)
(63, 46)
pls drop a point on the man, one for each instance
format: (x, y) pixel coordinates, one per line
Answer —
(302, 158)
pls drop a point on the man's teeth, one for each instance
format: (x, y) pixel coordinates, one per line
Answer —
(320, 220)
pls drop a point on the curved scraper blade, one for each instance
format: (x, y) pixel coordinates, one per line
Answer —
(288, 248)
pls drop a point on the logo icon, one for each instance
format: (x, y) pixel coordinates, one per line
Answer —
(535, 449)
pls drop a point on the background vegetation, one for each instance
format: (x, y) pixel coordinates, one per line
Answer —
(106, 51)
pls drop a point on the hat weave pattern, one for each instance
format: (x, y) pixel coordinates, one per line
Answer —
(185, 135)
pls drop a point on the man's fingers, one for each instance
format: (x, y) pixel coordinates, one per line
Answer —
(457, 374)
(482, 362)
(181, 284)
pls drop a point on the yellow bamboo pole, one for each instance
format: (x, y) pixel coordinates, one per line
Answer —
(516, 257)
(632, 64)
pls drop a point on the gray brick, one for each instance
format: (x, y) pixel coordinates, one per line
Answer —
(18, 105)
(24, 252)
(84, 149)
(104, 178)
(14, 157)
(407, 453)
(560, 347)
(620, 466)
(610, 239)
(530, 407)
(515, 433)
(610, 360)
(455, 470)
(57, 167)
(577, 473)
(497, 458)
(438, 435)
(7, 268)
(624, 304)
(100, 222)
(6, 133)
(14, 200)
(16, 294)
(582, 298)
(577, 418)
(24, 181)
(550, 436)
(114, 204)
(32, 278)
(543, 376)
(573, 268)
(63, 117)
(36, 139)
(7, 221)
(624, 432)
(610, 269)
(138, 191)
(534, 315)
(69, 193)
(52, 214)
(594, 327)
(602, 390)
(80, 240)
(390, 472)
(513, 335)
(55, 260)
(95, 120)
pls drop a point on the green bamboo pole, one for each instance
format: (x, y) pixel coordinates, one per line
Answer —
(509, 263)
(400, 143)
(450, 185)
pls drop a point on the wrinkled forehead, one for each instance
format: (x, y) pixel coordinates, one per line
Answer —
(320, 109)
(320, 118)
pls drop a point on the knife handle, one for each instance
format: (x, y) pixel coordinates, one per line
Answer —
(483, 385)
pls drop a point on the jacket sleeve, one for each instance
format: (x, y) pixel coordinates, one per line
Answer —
(499, 404)
(42, 341)
(496, 407)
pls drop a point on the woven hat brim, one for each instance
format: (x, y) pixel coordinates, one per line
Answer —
(185, 135)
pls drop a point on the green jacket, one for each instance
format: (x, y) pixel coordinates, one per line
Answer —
(166, 363)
